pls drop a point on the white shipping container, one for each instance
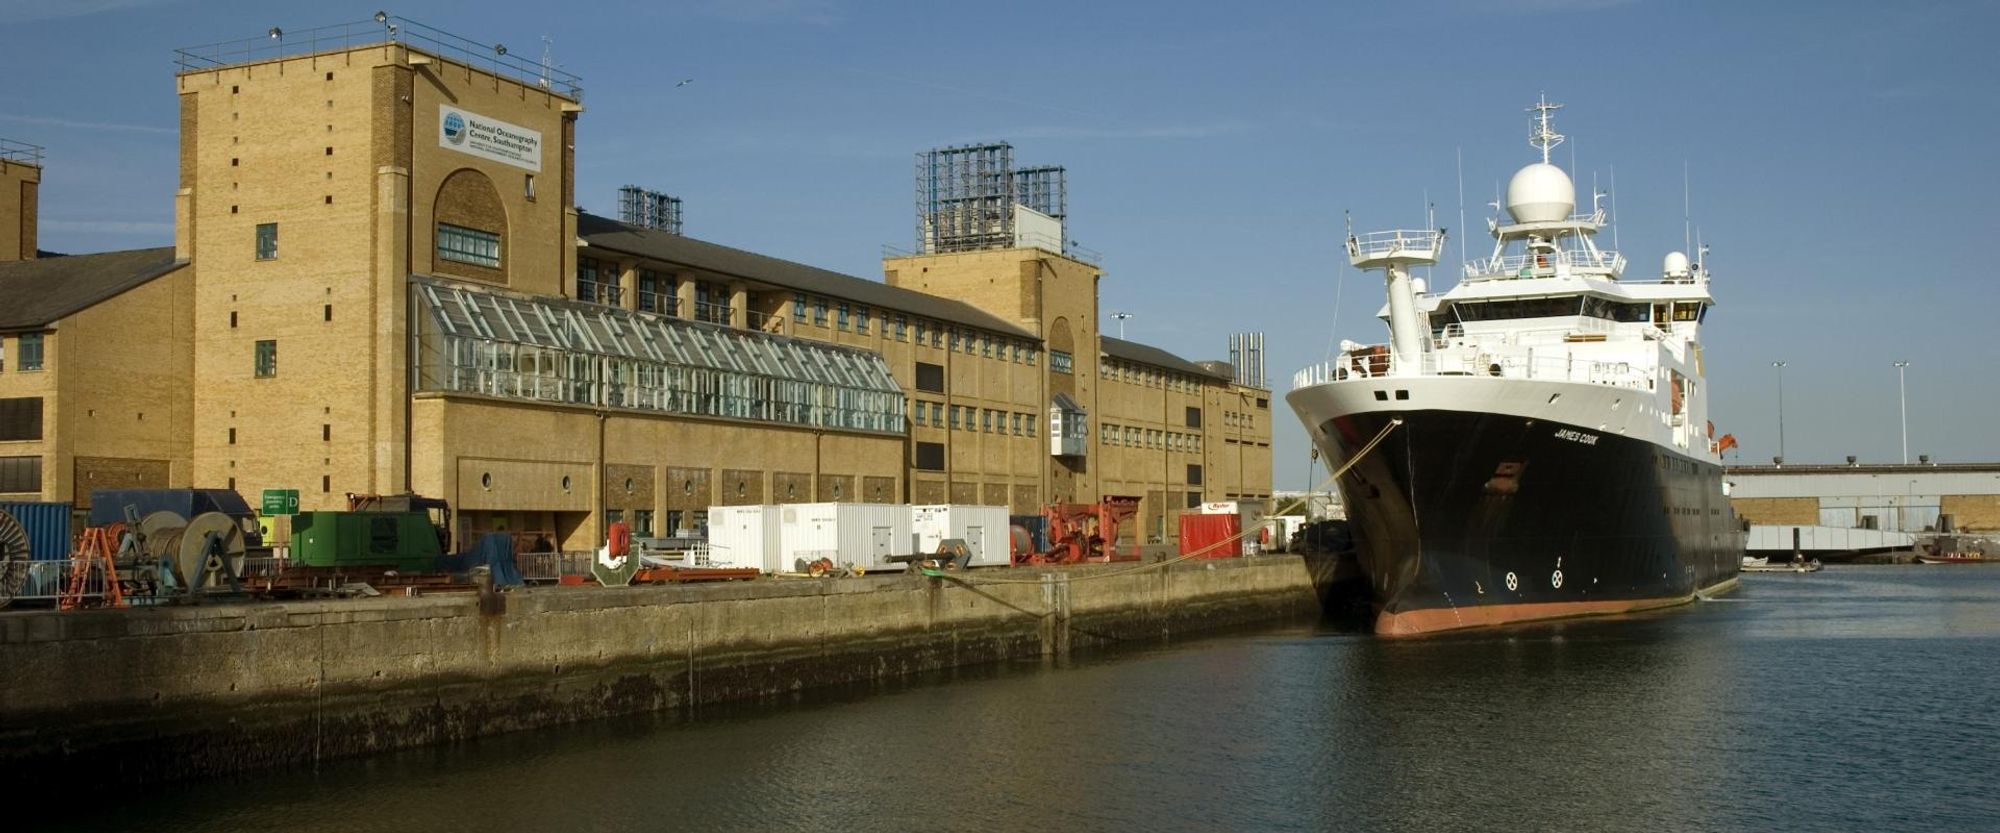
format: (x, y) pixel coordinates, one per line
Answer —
(745, 536)
(1250, 514)
(851, 534)
(983, 528)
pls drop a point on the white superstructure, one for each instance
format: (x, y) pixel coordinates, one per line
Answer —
(1546, 327)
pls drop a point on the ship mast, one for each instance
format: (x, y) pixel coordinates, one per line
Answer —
(1394, 252)
(1544, 135)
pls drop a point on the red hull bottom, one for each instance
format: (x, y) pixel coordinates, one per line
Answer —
(1435, 620)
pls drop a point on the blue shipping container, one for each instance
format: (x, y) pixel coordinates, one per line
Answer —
(47, 525)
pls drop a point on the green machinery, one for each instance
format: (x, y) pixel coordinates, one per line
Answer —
(405, 541)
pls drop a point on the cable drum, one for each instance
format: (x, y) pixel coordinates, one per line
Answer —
(14, 557)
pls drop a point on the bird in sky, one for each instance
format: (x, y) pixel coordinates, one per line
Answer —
(685, 82)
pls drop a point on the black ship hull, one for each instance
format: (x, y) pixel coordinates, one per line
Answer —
(1469, 519)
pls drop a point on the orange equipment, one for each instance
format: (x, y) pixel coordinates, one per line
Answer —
(99, 551)
(1080, 532)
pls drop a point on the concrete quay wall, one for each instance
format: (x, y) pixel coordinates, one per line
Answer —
(171, 692)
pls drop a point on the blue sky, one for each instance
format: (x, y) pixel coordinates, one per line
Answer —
(1842, 155)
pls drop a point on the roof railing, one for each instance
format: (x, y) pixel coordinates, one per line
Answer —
(278, 43)
(22, 152)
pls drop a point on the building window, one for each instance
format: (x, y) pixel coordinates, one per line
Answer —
(468, 245)
(937, 413)
(930, 377)
(642, 523)
(902, 327)
(1193, 475)
(917, 411)
(954, 417)
(920, 330)
(267, 241)
(986, 420)
(30, 347)
(1193, 417)
(861, 320)
(597, 282)
(21, 474)
(1061, 362)
(267, 359)
(20, 419)
(937, 336)
(656, 293)
(840, 321)
(711, 302)
(929, 457)
(819, 311)
(799, 307)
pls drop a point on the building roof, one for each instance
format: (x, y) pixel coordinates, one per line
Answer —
(603, 232)
(45, 290)
(1133, 351)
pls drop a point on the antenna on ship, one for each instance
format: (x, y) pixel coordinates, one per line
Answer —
(1687, 210)
(1461, 207)
(1544, 136)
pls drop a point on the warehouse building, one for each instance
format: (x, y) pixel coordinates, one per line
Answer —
(1884, 496)
(380, 282)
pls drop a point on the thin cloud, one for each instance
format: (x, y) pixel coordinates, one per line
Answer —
(967, 91)
(1137, 132)
(24, 11)
(73, 124)
(1550, 6)
(108, 227)
(809, 12)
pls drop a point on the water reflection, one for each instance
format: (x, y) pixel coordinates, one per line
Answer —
(1854, 698)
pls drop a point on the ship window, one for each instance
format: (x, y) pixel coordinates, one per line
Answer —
(1381, 396)
(1687, 311)
(1517, 308)
(1402, 395)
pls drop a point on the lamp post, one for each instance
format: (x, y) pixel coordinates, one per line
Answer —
(1121, 316)
(1781, 408)
(1903, 405)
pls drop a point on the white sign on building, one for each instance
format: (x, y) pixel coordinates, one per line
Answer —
(468, 132)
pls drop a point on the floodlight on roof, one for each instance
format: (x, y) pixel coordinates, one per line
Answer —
(381, 17)
(500, 49)
(277, 33)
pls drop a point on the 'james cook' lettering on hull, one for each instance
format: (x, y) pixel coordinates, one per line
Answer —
(1576, 436)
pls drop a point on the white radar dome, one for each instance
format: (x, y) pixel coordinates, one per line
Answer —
(1540, 193)
(1675, 265)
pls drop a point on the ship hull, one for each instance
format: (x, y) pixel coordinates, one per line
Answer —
(1469, 519)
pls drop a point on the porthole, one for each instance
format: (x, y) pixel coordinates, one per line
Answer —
(486, 480)
(739, 488)
(687, 486)
(628, 485)
(565, 482)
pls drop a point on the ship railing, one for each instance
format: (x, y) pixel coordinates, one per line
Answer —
(1390, 243)
(1542, 265)
(1363, 364)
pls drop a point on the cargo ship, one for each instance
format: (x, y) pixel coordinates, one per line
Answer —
(1533, 443)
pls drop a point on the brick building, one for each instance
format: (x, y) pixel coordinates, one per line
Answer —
(380, 282)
